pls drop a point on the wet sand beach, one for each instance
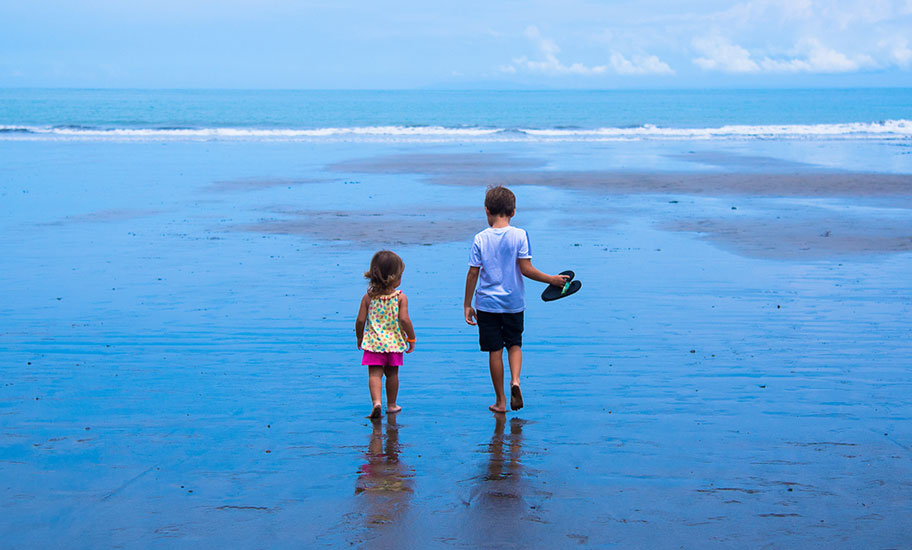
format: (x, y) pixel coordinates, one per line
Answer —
(180, 364)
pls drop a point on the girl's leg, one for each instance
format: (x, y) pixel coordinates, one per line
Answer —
(392, 388)
(374, 382)
(495, 363)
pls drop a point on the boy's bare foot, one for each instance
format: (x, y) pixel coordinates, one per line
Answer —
(494, 408)
(375, 413)
(393, 409)
(516, 401)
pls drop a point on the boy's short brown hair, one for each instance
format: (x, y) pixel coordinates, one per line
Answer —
(500, 201)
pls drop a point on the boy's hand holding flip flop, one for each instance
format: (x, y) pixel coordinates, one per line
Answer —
(562, 286)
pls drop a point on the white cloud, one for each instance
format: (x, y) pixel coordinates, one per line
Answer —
(552, 66)
(549, 63)
(809, 56)
(640, 64)
(720, 54)
(898, 51)
(817, 58)
(546, 45)
(902, 55)
(798, 36)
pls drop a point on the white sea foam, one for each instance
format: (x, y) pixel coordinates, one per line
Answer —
(886, 130)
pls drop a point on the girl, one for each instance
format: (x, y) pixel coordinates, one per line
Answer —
(384, 312)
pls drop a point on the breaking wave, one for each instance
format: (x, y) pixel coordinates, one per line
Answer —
(884, 130)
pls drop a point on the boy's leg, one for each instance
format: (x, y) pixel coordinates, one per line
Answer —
(490, 337)
(512, 336)
(514, 356)
(392, 388)
(374, 382)
(495, 363)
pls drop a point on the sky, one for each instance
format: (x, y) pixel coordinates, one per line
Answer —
(458, 44)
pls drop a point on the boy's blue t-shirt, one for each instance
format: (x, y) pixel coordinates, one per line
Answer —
(497, 252)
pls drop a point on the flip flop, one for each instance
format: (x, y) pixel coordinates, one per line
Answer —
(552, 292)
(516, 401)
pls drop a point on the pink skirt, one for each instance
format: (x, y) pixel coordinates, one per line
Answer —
(376, 359)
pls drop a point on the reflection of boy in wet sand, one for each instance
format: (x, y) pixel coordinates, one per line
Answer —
(500, 468)
(500, 510)
(501, 255)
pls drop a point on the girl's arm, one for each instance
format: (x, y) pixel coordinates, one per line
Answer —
(362, 318)
(405, 323)
(528, 270)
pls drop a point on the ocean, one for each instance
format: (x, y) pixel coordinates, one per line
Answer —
(449, 116)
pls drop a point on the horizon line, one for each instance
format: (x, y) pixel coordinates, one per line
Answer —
(453, 89)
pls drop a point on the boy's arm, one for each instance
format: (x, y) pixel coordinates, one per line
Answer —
(528, 270)
(362, 318)
(471, 281)
(406, 323)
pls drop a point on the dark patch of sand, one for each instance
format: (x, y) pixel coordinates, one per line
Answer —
(255, 184)
(756, 176)
(778, 226)
(375, 228)
(752, 163)
(808, 236)
(103, 216)
(713, 185)
(471, 163)
(781, 229)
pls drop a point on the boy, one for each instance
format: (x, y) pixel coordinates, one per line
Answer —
(500, 257)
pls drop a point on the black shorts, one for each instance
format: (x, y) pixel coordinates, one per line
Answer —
(499, 330)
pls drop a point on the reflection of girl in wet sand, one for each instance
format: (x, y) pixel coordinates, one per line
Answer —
(384, 482)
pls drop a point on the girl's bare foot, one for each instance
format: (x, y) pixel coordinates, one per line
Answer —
(375, 413)
(393, 409)
(497, 409)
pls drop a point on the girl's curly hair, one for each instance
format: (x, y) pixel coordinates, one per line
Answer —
(386, 268)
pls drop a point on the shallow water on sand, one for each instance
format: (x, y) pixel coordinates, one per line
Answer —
(176, 337)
